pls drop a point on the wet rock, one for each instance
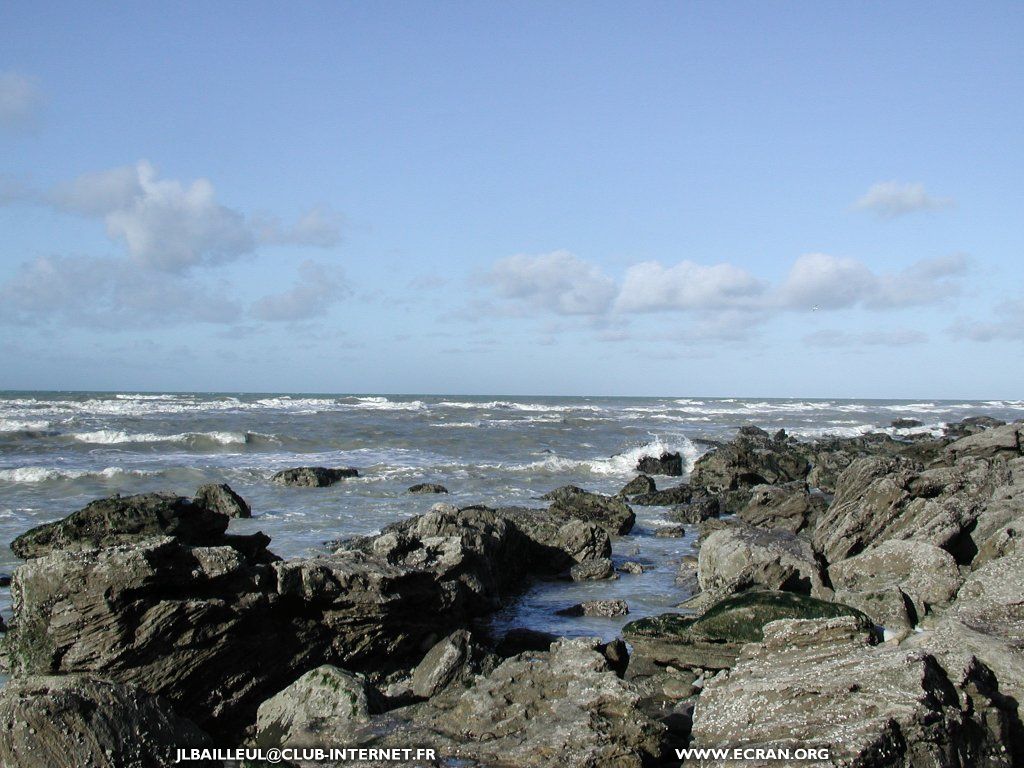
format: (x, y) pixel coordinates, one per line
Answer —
(972, 425)
(739, 557)
(427, 488)
(564, 707)
(906, 423)
(823, 682)
(584, 541)
(631, 567)
(686, 574)
(455, 660)
(701, 507)
(713, 640)
(222, 499)
(927, 575)
(670, 532)
(125, 519)
(667, 497)
(573, 502)
(639, 485)
(313, 477)
(666, 464)
(69, 721)
(592, 570)
(790, 507)
(325, 703)
(604, 608)
(752, 458)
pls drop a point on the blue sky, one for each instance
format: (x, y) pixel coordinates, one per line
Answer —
(764, 199)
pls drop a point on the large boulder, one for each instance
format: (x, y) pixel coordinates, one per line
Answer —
(665, 464)
(125, 519)
(823, 683)
(313, 477)
(69, 721)
(734, 558)
(1005, 441)
(752, 458)
(927, 575)
(324, 707)
(570, 502)
(427, 488)
(219, 497)
(565, 706)
(713, 640)
(455, 660)
(789, 507)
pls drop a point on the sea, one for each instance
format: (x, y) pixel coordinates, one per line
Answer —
(60, 450)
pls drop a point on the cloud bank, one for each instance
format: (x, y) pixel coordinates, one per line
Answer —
(892, 199)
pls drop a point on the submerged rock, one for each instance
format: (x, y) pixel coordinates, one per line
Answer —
(69, 721)
(666, 464)
(604, 608)
(427, 488)
(313, 477)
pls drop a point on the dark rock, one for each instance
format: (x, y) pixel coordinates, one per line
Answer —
(906, 423)
(455, 660)
(69, 721)
(670, 531)
(790, 507)
(752, 458)
(700, 508)
(604, 608)
(523, 640)
(428, 488)
(313, 477)
(592, 570)
(222, 499)
(125, 519)
(680, 494)
(639, 485)
(631, 567)
(972, 425)
(665, 464)
(713, 640)
(572, 502)
(824, 682)
(5, 580)
(617, 655)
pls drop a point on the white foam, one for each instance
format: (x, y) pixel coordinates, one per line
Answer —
(42, 474)
(114, 437)
(15, 425)
(619, 464)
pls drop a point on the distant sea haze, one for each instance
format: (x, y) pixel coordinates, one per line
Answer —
(58, 451)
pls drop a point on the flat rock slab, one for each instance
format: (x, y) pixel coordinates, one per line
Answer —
(313, 477)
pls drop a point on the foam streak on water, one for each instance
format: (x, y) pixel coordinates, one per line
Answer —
(60, 450)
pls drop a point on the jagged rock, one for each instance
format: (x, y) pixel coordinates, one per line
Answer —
(887, 606)
(584, 541)
(906, 423)
(997, 442)
(972, 425)
(592, 570)
(221, 498)
(713, 640)
(125, 519)
(427, 488)
(69, 721)
(326, 702)
(572, 502)
(454, 660)
(666, 464)
(522, 640)
(639, 485)
(605, 608)
(790, 507)
(631, 567)
(824, 683)
(563, 707)
(831, 455)
(701, 507)
(670, 531)
(739, 557)
(752, 458)
(667, 497)
(929, 576)
(313, 477)
(686, 574)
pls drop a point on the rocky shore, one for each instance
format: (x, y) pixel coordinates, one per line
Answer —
(862, 594)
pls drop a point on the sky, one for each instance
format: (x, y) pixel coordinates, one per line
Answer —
(765, 199)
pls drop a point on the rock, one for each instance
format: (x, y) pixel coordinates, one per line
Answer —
(604, 608)
(972, 426)
(221, 499)
(69, 721)
(887, 606)
(453, 661)
(686, 574)
(823, 683)
(592, 570)
(665, 464)
(313, 477)
(752, 458)
(572, 502)
(584, 541)
(563, 707)
(927, 575)
(680, 494)
(906, 423)
(790, 507)
(739, 557)
(5, 580)
(124, 519)
(713, 640)
(522, 640)
(639, 485)
(427, 488)
(325, 703)
(631, 567)
(670, 531)
(700, 508)
(996, 442)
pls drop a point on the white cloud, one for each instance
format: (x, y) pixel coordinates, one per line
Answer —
(20, 102)
(316, 290)
(891, 337)
(108, 293)
(319, 227)
(1008, 324)
(558, 282)
(651, 287)
(891, 199)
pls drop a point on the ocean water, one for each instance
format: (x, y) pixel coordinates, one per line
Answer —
(58, 451)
